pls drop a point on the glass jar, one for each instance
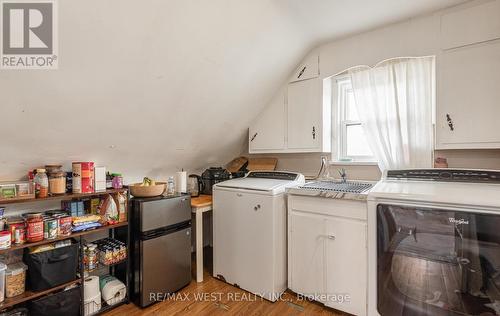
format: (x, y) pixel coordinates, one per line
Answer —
(41, 184)
(117, 180)
(57, 182)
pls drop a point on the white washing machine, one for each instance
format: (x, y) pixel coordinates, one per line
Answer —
(249, 222)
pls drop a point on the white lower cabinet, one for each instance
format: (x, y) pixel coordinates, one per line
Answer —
(327, 251)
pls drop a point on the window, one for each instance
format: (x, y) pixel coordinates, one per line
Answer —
(351, 144)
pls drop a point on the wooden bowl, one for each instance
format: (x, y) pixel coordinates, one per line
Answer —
(147, 191)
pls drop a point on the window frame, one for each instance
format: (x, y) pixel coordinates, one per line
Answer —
(340, 85)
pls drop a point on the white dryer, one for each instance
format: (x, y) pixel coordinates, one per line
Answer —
(249, 220)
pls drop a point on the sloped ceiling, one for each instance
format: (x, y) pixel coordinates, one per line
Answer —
(149, 87)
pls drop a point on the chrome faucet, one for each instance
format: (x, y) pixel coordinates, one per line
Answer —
(343, 175)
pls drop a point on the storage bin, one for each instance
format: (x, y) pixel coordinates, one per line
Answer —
(15, 279)
(64, 303)
(51, 268)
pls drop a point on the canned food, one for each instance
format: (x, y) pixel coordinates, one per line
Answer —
(64, 227)
(50, 228)
(35, 229)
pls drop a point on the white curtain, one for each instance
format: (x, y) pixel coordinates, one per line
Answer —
(395, 102)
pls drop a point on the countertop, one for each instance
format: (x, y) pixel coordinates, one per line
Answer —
(201, 201)
(331, 194)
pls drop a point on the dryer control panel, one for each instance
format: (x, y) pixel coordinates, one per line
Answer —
(446, 175)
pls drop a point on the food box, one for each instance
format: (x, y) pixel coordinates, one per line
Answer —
(83, 177)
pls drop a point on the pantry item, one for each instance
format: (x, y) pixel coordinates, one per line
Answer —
(121, 203)
(64, 227)
(69, 182)
(2, 220)
(113, 290)
(170, 186)
(7, 191)
(109, 180)
(108, 210)
(41, 184)
(24, 189)
(117, 181)
(50, 227)
(83, 177)
(53, 168)
(139, 190)
(5, 239)
(13, 256)
(57, 182)
(13, 223)
(100, 179)
(90, 257)
(34, 230)
(20, 235)
(3, 267)
(15, 279)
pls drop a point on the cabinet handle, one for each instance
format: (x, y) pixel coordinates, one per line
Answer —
(301, 72)
(314, 132)
(450, 122)
(253, 137)
(331, 237)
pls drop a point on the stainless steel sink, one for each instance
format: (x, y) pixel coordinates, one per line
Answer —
(338, 186)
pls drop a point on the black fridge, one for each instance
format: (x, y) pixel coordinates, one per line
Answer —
(161, 247)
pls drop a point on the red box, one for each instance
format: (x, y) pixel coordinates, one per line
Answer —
(83, 177)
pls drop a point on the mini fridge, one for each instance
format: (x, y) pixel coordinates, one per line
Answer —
(161, 247)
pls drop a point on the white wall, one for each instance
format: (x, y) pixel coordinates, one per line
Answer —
(414, 37)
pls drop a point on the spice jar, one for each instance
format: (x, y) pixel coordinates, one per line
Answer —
(34, 232)
(41, 184)
(57, 182)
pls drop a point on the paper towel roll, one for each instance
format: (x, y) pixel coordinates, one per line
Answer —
(91, 288)
(181, 182)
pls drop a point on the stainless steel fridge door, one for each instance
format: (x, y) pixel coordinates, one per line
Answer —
(166, 264)
(164, 212)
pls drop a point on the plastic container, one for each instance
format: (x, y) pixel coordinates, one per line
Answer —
(5, 239)
(3, 267)
(15, 279)
(41, 184)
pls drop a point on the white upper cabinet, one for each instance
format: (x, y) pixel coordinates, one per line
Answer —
(267, 133)
(468, 108)
(468, 94)
(296, 120)
(470, 25)
(308, 69)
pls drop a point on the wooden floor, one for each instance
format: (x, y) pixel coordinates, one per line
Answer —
(225, 301)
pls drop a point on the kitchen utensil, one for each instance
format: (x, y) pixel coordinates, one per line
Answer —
(237, 164)
(195, 185)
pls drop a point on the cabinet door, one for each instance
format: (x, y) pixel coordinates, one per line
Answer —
(308, 69)
(306, 257)
(346, 266)
(267, 133)
(304, 115)
(467, 105)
